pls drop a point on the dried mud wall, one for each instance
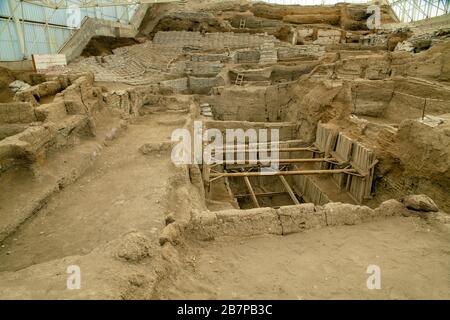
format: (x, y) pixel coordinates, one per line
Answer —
(254, 104)
(208, 225)
(52, 125)
(424, 154)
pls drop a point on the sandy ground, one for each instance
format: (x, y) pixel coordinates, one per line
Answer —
(329, 263)
(124, 191)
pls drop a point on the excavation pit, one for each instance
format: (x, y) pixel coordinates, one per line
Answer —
(88, 177)
(334, 168)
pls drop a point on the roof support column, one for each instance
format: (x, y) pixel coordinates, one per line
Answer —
(19, 27)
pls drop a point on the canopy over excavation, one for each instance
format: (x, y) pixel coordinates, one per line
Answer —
(224, 150)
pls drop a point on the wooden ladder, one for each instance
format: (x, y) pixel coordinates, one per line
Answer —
(242, 24)
(239, 79)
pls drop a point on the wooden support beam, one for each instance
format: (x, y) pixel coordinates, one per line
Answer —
(289, 190)
(235, 150)
(250, 189)
(265, 144)
(282, 173)
(260, 161)
(264, 194)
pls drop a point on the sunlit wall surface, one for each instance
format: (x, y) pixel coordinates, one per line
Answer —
(45, 30)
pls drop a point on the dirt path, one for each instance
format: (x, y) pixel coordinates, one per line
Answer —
(329, 263)
(124, 191)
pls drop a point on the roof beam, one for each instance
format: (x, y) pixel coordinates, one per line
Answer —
(250, 189)
(93, 3)
(289, 190)
(415, 10)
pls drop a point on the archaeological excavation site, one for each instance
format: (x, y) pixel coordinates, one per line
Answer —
(225, 150)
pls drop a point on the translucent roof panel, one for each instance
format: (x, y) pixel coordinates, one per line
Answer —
(415, 10)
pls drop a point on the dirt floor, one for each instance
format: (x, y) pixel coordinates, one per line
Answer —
(330, 263)
(85, 215)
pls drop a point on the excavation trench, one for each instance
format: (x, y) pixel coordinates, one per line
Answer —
(87, 176)
(82, 216)
(331, 168)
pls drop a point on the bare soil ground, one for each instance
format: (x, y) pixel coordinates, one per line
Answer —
(329, 263)
(123, 191)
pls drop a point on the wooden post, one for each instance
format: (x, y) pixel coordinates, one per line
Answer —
(289, 190)
(250, 189)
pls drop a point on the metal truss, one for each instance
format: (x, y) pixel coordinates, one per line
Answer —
(14, 31)
(65, 4)
(415, 10)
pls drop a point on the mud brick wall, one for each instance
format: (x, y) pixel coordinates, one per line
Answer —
(289, 53)
(211, 40)
(17, 112)
(204, 85)
(247, 56)
(177, 85)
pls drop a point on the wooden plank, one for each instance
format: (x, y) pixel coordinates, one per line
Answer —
(265, 144)
(264, 194)
(264, 150)
(289, 190)
(260, 161)
(48, 62)
(282, 173)
(250, 189)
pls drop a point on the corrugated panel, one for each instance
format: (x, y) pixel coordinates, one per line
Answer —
(131, 11)
(36, 13)
(122, 14)
(35, 39)
(31, 12)
(9, 50)
(39, 39)
(407, 12)
(109, 13)
(59, 36)
(4, 9)
(58, 17)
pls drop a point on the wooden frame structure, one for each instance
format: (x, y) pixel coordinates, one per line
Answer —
(350, 165)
